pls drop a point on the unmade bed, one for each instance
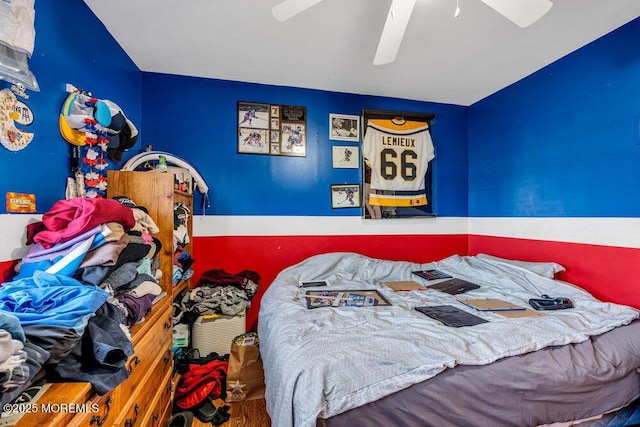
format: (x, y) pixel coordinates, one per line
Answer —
(392, 365)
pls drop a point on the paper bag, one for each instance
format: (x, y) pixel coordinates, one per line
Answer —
(245, 376)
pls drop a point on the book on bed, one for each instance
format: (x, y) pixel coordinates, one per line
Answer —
(451, 316)
(432, 274)
(491, 304)
(454, 286)
(405, 285)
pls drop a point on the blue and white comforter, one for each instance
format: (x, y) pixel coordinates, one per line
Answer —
(324, 361)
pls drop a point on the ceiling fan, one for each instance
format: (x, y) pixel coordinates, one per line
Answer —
(521, 12)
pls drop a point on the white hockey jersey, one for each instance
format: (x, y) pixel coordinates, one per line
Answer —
(398, 155)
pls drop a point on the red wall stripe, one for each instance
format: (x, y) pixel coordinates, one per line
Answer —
(6, 270)
(610, 273)
(268, 255)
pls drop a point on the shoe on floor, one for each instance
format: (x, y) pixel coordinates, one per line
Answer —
(181, 419)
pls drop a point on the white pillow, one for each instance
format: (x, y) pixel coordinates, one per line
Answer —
(544, 269)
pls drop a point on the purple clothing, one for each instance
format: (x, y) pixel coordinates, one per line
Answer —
(38, 253)
(137, 307)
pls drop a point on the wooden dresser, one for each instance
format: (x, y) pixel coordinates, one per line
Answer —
(145, 397)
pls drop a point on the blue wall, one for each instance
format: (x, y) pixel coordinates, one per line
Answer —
(72, 46)
(195, 119)
(565, 141)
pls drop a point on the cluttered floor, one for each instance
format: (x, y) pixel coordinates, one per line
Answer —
(251, 413)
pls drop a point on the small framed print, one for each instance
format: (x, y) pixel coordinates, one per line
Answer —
(345, 157)
(253, 115)
(275, 148)
(344, 127)
(345, 196)
(293, 140)
(253, 141)
(275, 136)
(275, 124)
(275, 111)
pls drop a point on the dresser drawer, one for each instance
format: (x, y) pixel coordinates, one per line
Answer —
(155, 345)
(139, 396)
(49, 410)
(161, 405)
(107, 410)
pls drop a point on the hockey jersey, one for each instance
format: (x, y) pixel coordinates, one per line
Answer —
(398, 155)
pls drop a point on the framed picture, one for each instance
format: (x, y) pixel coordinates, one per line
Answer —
(345, 196)
(293, 139)
(344, 127)
(253, 128)
(277, 130)
(345, 156)
(345, 298)
(253, 115)
(253, 141)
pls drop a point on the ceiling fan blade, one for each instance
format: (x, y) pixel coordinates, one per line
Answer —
(521, 12)
(290, 8)
(393, 31)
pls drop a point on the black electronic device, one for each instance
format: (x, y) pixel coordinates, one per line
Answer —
(548, 303)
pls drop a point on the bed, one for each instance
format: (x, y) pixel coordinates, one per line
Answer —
(392, 365)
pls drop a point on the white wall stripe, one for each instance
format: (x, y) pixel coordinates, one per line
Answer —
(622, 232)
(323, 226)
(14, 236)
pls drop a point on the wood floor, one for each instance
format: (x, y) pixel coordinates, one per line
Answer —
(251, 413)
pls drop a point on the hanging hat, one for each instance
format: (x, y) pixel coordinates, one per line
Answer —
(126, 201)
(72, 135)
(117, 118)
(76, 119)
(127, 138)
(83, 106)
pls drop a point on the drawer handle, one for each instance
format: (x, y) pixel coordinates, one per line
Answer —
(154, 419)
(131, 422)
(168, 324)
(96, 418)
(167, 357)
(134, 362)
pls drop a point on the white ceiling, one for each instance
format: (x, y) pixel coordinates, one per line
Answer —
(331, 46)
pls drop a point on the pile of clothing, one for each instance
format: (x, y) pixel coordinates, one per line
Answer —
(91, 272)
(202, 381)
(219, 292)
(182, 260)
